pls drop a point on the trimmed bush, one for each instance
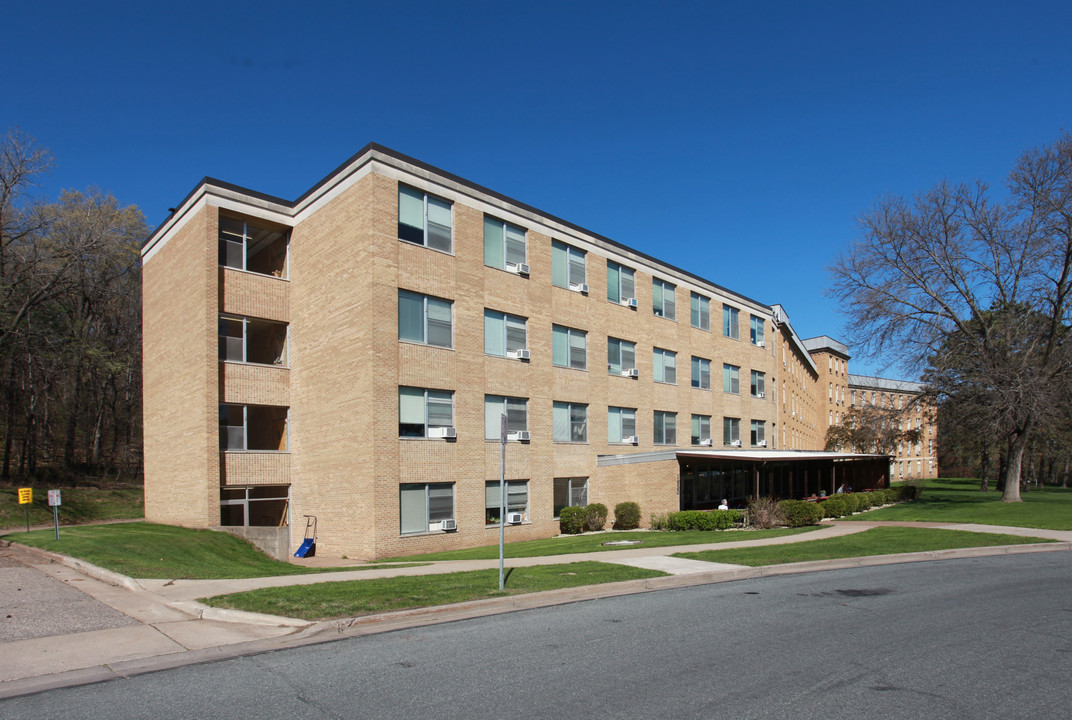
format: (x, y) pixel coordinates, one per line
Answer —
(571, 520)
(704, 519)
(798, 513)
(834, 506)
(626, 516)
(595, 516)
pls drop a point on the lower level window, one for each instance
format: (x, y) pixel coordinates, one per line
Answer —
(423, 508)
(570, 492)
(257, 506)
(517, 501)
(665, 426)
(759, 433)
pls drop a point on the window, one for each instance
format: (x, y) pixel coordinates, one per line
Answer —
(729, 322)
(517, 416)
(731, 431)
(665, 425)
(260, 428)
(424, 319)
(621, 283)
(567, 266)
(759, 384)
(701, 312)
(701, 373)
(621, 356)
(759, 433)
(569, 347)
(621, 424)
(504, 334)
(570, 492)
(253, 247)
(662, 299)
(424, 219)
(249, 340)
(423, 508)
(665, 366)
(731, 379)
(755, 331)
(701, 429)
(517, 500)
(504, 245)
(570, 421)
(258, 506)
(422, 412)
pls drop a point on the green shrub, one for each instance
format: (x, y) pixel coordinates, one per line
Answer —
(863, 501)
(850, 503)
(834, 506)
(571, 520)
(626, 516)
(595, 516)
(660, 521)
(704, 519)
(798, 513)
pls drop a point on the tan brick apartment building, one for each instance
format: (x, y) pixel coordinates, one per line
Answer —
(348, 356)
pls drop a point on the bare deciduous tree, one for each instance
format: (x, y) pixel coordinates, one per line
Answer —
(975, 287)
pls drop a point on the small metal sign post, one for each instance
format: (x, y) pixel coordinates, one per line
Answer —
(54, 502)
(26, 498)
(502, 500)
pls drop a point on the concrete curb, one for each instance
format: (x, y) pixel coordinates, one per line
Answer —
(89, 569)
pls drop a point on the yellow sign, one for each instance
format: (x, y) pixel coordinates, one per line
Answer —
(25, 496)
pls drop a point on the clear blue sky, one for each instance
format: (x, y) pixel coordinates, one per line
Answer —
(738, 140)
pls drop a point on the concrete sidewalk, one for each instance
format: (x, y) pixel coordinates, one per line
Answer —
(138, 626)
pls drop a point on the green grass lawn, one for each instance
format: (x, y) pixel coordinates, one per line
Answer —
(145, 550)
(79, 505)
(571, 544)
(364, 597)
(959, 500)
(876, 541)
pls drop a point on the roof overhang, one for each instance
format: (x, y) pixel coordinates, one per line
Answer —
(762, 456)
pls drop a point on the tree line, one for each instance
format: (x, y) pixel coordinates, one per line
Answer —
(977, 289)
(70, 326)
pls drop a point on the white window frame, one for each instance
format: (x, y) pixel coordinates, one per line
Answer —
(731, 322)
(616, 292)
(616, 352)
(430, 397)
(576, 429)
(663, 299)
(758, 385)
(427, 200)
(507, 232)
(509, 322)
(700, 311)
(756, 332)
(731, 379)
(575, 340)
(516, 410)
(664, 427)
(428, 302)
(618, 423)
(664, 366)
(575, 258)
(412, 489)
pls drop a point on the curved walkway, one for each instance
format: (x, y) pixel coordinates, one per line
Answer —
(168, 628)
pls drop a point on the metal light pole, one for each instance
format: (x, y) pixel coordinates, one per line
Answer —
(502, 500)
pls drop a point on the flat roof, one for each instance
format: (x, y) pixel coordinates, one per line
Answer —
(742, 455)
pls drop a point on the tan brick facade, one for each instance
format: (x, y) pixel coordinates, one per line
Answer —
(322, 420)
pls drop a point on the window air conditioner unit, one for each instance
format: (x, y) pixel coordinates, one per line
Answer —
(761, 343)
(448, 525)
(761, 443)
(579, 287)
(515, 518)
(522, 435)
(631, 372)
(521, 354)
(736, 443)
(630, 302)
(706, 442)
(442, 432)
(761, 395)
(522, 268)
(632, 440)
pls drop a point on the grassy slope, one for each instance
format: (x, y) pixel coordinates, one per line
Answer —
(79, 505)
(363, 597)
(959, 500)
(877, 541)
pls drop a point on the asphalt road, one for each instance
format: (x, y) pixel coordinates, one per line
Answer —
(974, 638)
